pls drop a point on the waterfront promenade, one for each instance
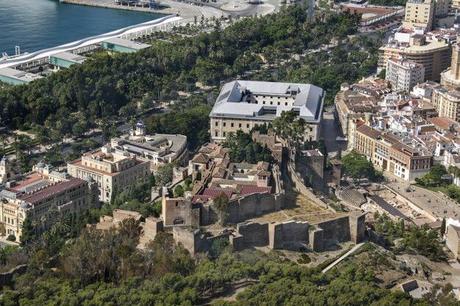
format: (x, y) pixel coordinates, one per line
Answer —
(161, 23)
(189, 11)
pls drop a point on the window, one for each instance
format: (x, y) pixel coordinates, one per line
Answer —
(231, 124)
(217, 123)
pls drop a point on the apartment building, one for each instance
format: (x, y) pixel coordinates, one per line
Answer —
(404, 74)
(435, 55)
(157, 149)
(242, 105)
(43, 199)
(392, 153)
(419, 14)
(352, 107)
(113, 172)
(446, 101)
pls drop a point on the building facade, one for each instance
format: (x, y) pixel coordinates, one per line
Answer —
(390, 153)
(446, 101)
(419, 14)
(243, 105)
(404, 74)
(157, 149)
(451, 77)
(455, 6)
(435, 56)
(44, 201)
(113, 172)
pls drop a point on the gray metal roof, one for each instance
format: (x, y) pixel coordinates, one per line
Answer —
(71, 57)
(308, 100)
(18, 74)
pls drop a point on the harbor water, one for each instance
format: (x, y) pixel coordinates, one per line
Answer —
(38, 24)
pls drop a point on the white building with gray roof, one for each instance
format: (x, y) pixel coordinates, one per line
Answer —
(242, 105)
(158, 149)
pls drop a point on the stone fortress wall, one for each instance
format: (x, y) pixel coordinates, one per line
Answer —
(290, 235)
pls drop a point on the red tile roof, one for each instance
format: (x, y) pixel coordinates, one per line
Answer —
(51, 190)
(248, 189)
(30, 179)
(442, 122)
(214, 192)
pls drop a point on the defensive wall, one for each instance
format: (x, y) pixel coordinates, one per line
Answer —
(291, 235)
(7, 277)
(195, 240)
(253, 206)
(300, 187)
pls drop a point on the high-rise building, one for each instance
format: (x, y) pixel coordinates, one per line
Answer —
(404, 74)
(419, 14)
(433, 55)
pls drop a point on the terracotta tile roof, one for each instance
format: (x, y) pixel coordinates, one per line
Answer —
(51, 190)
(214, 192)
(442, 122)
(248, 189)
(29, 180)
(368, 131)
(200, 158)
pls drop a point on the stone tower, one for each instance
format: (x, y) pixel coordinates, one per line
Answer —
(5, 170)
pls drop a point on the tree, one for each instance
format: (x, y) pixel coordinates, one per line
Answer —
(289, 127)
(443, 227)
(28, 234)
(220, 203)
(358, 167)
(243, 148)
(164, 175)
(433, 178)
(178, 191)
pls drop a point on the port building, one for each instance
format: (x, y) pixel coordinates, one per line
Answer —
(117, 44)
(16, 77)
(66, 59)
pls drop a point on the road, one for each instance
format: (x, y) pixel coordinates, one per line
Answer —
(341, 258)
(330, 130)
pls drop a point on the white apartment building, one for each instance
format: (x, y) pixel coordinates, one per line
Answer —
(113, 172)
(242, 105)
(404, 74)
